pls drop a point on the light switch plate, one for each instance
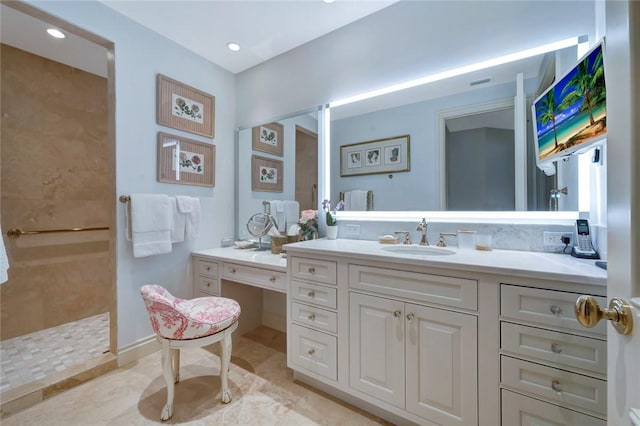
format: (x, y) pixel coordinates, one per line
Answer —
(352, 230)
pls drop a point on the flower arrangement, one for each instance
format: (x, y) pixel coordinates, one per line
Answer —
(331, 213)
(308, 224)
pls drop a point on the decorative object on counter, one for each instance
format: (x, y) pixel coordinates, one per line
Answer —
(293, 233)
(269, 138)
(377, 156)
(330, 217)
(308, 225)
(185, 161)
(388, 239)
(243, 244)
(185, 108)
(259, 225)
(483, 242)
(466, 239)
(277, 243)
(266, 174)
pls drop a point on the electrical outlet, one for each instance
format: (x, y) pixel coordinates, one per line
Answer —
(553, 238)
(352, 230)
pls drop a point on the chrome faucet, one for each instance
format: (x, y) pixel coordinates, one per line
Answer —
(407, 236)
(422, 227)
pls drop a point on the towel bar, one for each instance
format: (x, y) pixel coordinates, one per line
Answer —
(16, 232)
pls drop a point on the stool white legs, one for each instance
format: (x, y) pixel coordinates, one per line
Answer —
(225, 359)
(169, 377)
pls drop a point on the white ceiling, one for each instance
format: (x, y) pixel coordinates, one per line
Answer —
(264, 29)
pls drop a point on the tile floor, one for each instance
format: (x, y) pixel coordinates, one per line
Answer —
(34, 356)
(264, 393)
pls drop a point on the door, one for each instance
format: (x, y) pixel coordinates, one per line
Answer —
(306, 169)
(376, 348)
(623, 209)
(442, 372)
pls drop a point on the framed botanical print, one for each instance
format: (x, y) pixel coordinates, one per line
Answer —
(185, 108)
(266, 174)
(185, 161)
(389, 155)
(269, 138)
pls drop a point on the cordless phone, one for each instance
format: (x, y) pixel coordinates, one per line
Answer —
(583, 248)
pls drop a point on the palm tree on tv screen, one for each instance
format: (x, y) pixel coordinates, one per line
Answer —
(546, 112)
(586, 86)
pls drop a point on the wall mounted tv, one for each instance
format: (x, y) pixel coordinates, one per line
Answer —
(571, 115)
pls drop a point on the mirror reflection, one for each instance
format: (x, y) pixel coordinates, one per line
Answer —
(463, 153)
(289, 146)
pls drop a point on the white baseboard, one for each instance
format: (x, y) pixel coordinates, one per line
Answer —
(138, 350)
(275, 321)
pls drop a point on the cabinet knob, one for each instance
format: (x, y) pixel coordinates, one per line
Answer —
(555, 348)
(410, 316)
(208, 268)
(272, 279)
(312, 317)
(312, 270)
(397, 313)
(232, 270)
(311, 351)
(311, 294)
(556, 310)
(555, 385)
(208, 283)
(589, 312)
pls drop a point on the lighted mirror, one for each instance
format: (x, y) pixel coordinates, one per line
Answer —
(470, 144)
(288, 146)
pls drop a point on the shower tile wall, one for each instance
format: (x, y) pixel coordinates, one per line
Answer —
(55, 173)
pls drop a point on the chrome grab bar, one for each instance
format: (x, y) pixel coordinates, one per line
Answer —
(16, 232)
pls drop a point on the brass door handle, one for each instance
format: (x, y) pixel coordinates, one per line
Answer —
(589, 312)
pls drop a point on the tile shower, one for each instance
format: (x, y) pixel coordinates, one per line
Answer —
(58, 307)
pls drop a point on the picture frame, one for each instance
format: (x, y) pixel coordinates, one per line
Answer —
(185, 108)
(269, 138)
(185, 161)
(389, 155)
(266, 174)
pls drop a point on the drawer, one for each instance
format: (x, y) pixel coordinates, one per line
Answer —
(255, 276)
(448, 291)
(321, 271)
(560, 348)
(545, 307)
(314, 317)
(569, 389)
(211, 286)
(519, 410)
(315, 351)
(314, 294)
(207, 268)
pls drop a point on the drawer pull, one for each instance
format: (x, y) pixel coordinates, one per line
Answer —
(555, 348)
(555, 385)
(232, 270)
(312, 317)
(556, 310)
(311, 351)
(410, 316)
(311, 294)
(208, 268)
(397, 313)
(208, 283)
(312, 270)
(272, 279)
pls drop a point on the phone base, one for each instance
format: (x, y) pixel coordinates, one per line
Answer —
(584, 255)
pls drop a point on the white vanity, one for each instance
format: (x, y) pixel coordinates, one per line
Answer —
(471, 338)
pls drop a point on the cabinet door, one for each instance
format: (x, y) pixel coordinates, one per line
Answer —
(442, 372)
(376, 348)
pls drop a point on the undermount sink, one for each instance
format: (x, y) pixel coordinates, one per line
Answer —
(418, 250)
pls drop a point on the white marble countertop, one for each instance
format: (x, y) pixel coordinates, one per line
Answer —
(251, 257)
(527, 264)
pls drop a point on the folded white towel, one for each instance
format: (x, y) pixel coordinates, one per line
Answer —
(278, 214)
(190, 206)
(178, 221)
(292, 212)
(355, 200)
(150, 224)
(4, 261)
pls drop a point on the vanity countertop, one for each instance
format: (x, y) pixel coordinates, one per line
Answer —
(250, 257)
(527, 264)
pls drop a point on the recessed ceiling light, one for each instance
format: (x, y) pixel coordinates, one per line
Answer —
(55, 33)
(233, 46)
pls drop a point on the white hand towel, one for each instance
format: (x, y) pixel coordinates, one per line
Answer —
(356, 200)
(4, 261)
(190, 206)
(177, 223)
(150, 224)
(292, 212)
(279, 215)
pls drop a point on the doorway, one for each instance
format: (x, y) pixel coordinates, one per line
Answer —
(306, 169)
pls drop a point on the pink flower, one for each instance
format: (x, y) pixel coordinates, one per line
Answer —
(307, 215)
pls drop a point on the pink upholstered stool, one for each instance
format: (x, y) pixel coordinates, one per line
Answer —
(180, 323)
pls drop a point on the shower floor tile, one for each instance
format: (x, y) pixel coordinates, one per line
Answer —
(31, 357)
